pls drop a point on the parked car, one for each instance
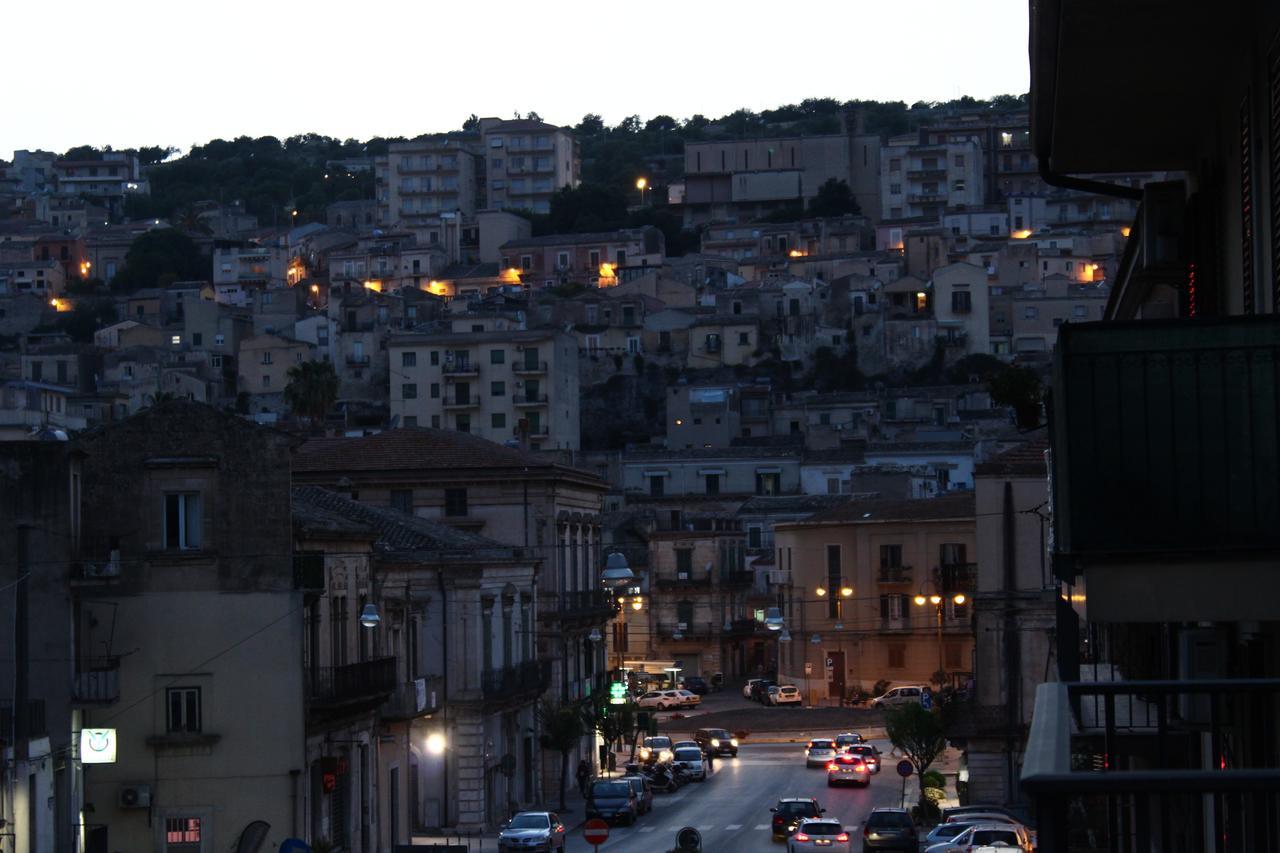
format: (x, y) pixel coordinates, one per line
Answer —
(890, 829)
(788, 694)
(612, 799)
(945, 832)
(716, 741)
(760, 690)
(692, 761)
(982, 817)
(696, 684)
(819, 834)
(899, 696)
(748, 689)
(868, 753)
(644, 793)
(655, 750)
(688, 699)
(788, 813)
(819, 751)
(979, 835)
(541, 831)
(847, 739)
(957, 811)
(848, 769)
(662, 700)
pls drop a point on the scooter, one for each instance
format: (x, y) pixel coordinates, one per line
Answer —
(662, 779)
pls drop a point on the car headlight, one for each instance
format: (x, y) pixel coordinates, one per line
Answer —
(645, 752)
(733, 741)
(665, 755)
(715, 741)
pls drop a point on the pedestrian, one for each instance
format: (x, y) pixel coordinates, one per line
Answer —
(584, 774)
(711, 761)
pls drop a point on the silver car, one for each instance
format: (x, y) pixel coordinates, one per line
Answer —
(532, 831)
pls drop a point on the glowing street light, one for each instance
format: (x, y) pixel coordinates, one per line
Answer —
(641, 184)
(435, 743)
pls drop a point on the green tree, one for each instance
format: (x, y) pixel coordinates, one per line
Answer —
(921, 736)
(562, 731)
(472, 124)
(312, 389)
(834, 198)
(163, 253)
(1020, 389)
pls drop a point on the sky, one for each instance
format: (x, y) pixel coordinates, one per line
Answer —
(138, 72)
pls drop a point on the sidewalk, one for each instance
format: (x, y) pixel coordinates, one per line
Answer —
(573, 816)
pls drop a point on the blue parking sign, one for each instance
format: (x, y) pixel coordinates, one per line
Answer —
(926, 700)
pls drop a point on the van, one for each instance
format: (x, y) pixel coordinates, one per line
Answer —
(899, 696)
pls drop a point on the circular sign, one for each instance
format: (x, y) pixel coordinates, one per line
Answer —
(689, 839)
(905, 769)
(595, 831)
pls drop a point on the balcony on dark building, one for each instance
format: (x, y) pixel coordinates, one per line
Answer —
(97, 681)
(352, 682)
(517, 680)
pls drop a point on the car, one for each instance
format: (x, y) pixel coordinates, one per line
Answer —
(979, 835)
(688, 699)
(692, 761)
(847, 739)
(788, 813)
(848, 768)
(890, 829)
(982, 817)
(955, 811)
(655, 750)
(685, 744)
(696, 684)
(717, 741)
(819, 834)
(532, 831)
(760, 690)
(613, 799)
(644, 793)
(945, 832)
(769, 695)
(788, 694)
(660, 699)
(748, 689)
(899, 696)
(868, 753)
(819, 751)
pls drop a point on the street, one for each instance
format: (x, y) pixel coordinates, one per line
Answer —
(731, 809)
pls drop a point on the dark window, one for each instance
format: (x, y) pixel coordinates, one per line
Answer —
(768, 484)
(498, 420)
(408, 359)
(684, 613)
(655, 487)
(182, 710)
(498, 389)
(409, 391)
(435, 390)
(961, 302)
(684, 561)
(890, 556)
(182, 521)
(754, 537)
(402, 500)
(435, 357)
(455, 502)
(833, 581)
(713, 484)
(497, 356)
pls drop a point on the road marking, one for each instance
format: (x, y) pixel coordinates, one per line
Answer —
(731, 827)
(762, 826)
(647, 829)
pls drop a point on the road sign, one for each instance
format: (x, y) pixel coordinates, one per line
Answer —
(808, 668)
(689, 840)
(829, 663)
(617, 693)
(595, 831)
(905, 768)
(926, 700)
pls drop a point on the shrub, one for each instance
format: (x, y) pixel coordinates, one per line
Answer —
(933, 779)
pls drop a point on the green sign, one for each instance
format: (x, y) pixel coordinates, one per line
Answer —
(617, 693)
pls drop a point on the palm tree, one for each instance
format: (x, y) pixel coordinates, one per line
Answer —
(312, 389)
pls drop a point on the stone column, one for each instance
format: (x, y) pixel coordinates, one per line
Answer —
(468, 778)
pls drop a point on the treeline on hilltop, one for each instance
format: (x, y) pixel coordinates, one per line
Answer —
(272, 177)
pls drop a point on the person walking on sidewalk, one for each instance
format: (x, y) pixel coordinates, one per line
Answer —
(584, 774)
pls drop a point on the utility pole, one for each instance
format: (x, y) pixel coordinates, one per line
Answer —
(21, 650)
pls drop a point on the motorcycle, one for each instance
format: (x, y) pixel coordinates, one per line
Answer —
(662, 779)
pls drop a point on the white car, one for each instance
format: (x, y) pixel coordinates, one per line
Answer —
(788, 694)
(690, 759)
(819, 751)
(660, 699)
(688, 699)
(899, 696)
(746, 688)
(1014, 836)
(819, 833)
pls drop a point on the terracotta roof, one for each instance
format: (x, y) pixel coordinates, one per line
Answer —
(1025, 459)
(415, 447)
(953, 505)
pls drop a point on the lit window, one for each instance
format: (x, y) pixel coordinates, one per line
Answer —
(176, 340)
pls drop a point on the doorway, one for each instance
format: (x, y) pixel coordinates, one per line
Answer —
(835, 675)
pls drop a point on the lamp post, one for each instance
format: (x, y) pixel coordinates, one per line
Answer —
(938, 600)
(641, 184)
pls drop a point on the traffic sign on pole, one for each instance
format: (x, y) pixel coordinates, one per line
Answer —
(595, 832)
(926, 699)
(905, 769)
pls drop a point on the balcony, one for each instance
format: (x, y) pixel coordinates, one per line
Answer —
(737, 578)
(958, 577)
(1166, 466)
(413, 699)
(686, 580)
(587, 604)
(340, 685)
(528, 368)
(894, 574)
(97, 681)
(461, 370)
(357, 358)
(926, 174)
(455, 403)
(926, 198)
(1153, 765)
(520, 679)
(526, 400)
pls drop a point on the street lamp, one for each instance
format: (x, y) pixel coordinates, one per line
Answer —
(641, 184)
(435, 743)
(773, 619)
(617, 572)
(369, 617)
(938, 601)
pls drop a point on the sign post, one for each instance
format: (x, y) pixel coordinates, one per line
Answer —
(595, 832)
(905, 769)
(617, 693)
(926, 699)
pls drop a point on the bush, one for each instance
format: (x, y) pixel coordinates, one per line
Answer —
(933, 779)
(879, 688)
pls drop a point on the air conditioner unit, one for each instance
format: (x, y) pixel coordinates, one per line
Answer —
(135, 797)
(682, 626)
(109, 569)
(682, 576)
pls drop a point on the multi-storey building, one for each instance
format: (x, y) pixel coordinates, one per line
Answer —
(241, 267)
(961, 300)
(502, 385)
(1037, 312)
(388, 261)
(417, 181)
(602, 259)
(45, 279)
(106, 178)
(923, 179)
(527, 162)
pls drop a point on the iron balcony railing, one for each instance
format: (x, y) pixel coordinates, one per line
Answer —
(586, 602)
(894, 574)
(350, 682)
(97, 681)
(522, 678)
(529, 367)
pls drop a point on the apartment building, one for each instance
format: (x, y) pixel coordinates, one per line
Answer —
(1037, 312)
(417, 181)
(804, 238)
(745, 179)
(501, 385)
(247, 266)
(527, 162)
(602, 260)
(728, 473)
(388, 261)
(924, 179)
(263, 363)
(854, 575)
(45, 279)
(106, 178)
(961, 303)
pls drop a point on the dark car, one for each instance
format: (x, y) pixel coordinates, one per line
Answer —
(890, 829)
(644, 793)
(696, 684)
(788, 813)
(532, 831)
(717, 742)
(612, 799)
(760, 689)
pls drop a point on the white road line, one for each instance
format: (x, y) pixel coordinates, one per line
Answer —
(762, 826)
(731, 827)
(647, 829)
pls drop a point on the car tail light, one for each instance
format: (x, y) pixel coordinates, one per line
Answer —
(800, 836)
(810, 746)
(844, 836)
(831, 765)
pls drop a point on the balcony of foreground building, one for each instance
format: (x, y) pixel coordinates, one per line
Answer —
(1154, 765)
(349, 684)
(529, 400)
(515, 682)
(529, 367)
(97, 682)
(1165, 467)
(412, 699)
(588, 605)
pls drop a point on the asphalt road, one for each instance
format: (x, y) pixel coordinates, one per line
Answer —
(731, 809)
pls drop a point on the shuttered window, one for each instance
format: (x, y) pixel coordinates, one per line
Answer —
(1246, 203)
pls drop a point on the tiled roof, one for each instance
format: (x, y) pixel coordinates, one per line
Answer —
(953, 505)
(791, 504)
(1026, 459)
(575, 239)
(397, 532)
(520, 124)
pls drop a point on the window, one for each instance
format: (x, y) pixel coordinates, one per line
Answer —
(410, 420)
(197, 339)
(182, 834)
(498, 420)
(684, 613)
(219, 340)
(266, 357)
(497, 356)
(744, 339)
(594, 259)
(1031, 312)
(526, 262)
(768, 483)
(435, 358)
(655, 487)
(713, 484)
(455, 502)
(435, 422)
(435, 390)
(408, 359)
(890, 556)
(833, 485)
(562, 260)
(182, 521)
(833, 581)
(897, 655)
(684, 562)
(402, 500)
(959, 161)
(409, 391)
(754, 537)
(893, 607)
(895, 189)
(961, 302)
(462, 423)
(498, 389)
(1079, 312)
(895, 164)
(266, 381)
(182, 710)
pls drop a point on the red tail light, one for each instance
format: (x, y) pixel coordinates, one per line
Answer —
(810, 745)
(866, 830)
(800, 836)
(844, 836)
(831, 765)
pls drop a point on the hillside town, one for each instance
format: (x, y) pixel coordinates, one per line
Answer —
(368, 525)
